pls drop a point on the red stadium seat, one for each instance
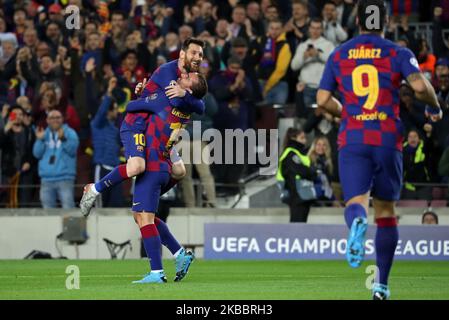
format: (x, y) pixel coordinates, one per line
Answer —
(412, 203)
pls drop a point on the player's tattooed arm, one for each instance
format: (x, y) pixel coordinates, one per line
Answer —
(326, 101)
(424, 91)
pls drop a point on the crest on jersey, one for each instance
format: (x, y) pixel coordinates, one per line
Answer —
(152, 96)
(414, 63)
(172, 83)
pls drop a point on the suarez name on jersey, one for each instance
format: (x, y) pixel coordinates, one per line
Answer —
(367, 72)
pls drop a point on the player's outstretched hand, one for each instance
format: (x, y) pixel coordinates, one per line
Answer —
(139, 87)
(175, 91)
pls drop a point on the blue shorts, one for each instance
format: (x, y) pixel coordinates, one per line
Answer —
(147, 190)
(363, 168)
(133, 143)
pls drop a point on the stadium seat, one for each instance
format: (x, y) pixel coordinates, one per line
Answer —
(412, 203)
(439, 203)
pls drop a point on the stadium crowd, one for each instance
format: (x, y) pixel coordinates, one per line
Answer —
(63, 91)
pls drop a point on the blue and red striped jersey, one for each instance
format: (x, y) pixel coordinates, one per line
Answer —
(367, 72)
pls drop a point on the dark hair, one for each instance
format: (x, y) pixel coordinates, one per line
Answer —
(290, 134)
(118, 12)
(316, 20)
(329, 2)
(16, 107)
(364, 16)
(127, 52)
(234, 60)
(239, 42)
(428, 212)
(199, 89)
(275, 20)
(196, 41)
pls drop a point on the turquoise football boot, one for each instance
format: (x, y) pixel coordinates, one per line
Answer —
(153, 277)
(380, 292)
(355, 249)
(183, 262)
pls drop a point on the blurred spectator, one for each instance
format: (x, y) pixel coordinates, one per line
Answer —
(310, 57)
(105, 141)
(172, 46)
(254, 14)
(416, 155)
(294, 165)
(34, 74)
(320, 155)
(56, 148)
(197, 145)
(19, 23)
(240, 25)
(297, 27)
(231, 89)
(250, 55)
(344, 9)
(16, 143)
(411, 110)
(441, 133)
(429, 217)
(185, 32)
(271, 13)
(8, 48)
(274, 64)
(114, 45)
(426, 59)
(439, 44)
(130, 70)
(333, 31)
(54, 37)
(443, 166)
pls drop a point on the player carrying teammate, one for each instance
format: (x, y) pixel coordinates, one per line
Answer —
(163, 128)
(367, 72)
(134, 124)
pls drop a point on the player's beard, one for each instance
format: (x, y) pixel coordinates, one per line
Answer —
(190, 66)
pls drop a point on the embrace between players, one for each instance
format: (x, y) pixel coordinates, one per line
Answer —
(149, 131)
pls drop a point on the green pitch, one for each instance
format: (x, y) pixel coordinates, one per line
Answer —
(107, 279)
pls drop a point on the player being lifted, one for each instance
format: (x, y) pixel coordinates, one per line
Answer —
(367, 72)
(133, 126)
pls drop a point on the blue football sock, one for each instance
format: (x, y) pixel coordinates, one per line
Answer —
(167, 237)
(385, 242)
(353, 211)
(152, 244)
(117, 175)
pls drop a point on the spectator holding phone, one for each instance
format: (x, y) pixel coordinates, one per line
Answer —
(16, 141)
(310, 57)
(56, 148)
